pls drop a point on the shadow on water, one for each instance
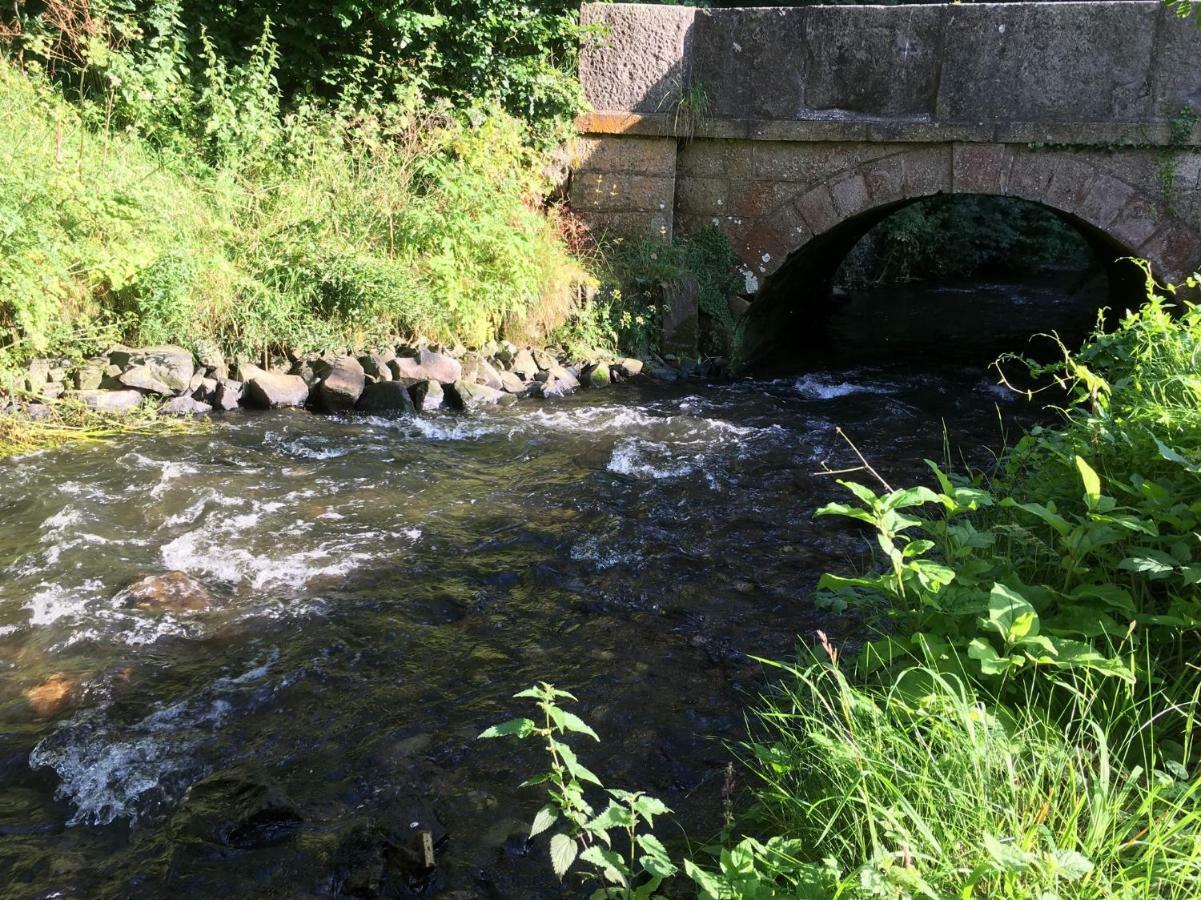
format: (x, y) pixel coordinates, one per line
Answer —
(384, 587)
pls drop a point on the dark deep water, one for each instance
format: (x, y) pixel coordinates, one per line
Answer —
(386, 586)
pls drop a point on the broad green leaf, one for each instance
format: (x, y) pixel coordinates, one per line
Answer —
(866, 494)
(1011, 614)
(1007, 857)
(1092, 482)
(514, 727)
(614, 816)
(850, 512)
(991, 663)
(649, 807)
(1072, 866)
(570, 722)
(918, 496)
(612, 867)
(573, 764)
(1052, 518)
(562, 854)
(547, 816)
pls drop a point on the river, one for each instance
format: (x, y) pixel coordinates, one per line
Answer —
(385, 586)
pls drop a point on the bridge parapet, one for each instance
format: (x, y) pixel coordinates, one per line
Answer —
(780, 124)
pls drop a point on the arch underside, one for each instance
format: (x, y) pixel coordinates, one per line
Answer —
(795, 248)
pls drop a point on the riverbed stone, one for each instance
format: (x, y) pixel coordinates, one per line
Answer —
(170, 592)
(108, 401)
(597, 375)
(466, 395)
(165, 367)
(523, 365)
(428, 365)
(375, 365)
(427, 395)
(386, 398)
(271, 390)
(511, 383)
(543, 359)
(185, 406)
(630, 367)
(479, 370)
(90, 375)
(210, 356)
(49, 697)
(341, 389)
(228, 394)
(556, 372)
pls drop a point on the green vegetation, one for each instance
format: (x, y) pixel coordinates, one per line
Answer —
(323, 227)
(1024, 723)
(963, 237)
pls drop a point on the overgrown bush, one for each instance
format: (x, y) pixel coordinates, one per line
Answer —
(320, 227)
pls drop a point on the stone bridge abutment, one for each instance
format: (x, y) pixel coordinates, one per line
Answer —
(796, 129)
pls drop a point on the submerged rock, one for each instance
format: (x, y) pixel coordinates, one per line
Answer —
(51, 695)
(173, 592)
(271, 390)
(237, 808)
(597, 375)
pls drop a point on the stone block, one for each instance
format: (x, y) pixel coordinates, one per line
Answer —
(681, 316)
(885, 180)
(1047, 62)
(850, 195)
(703, 196)
(715, 158)
(622, 193)
(868, 60)
(980, 168)
(655, 224)
(927, 171)
(1070, 184)
(817, 209)
(1176, 79)
(1106, 198)
(752, 199)
(1136, 223)
(1031, 175)
(1174, 252)
(618, 153)
(638, 62)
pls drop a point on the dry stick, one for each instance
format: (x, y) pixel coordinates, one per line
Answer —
(866, 467)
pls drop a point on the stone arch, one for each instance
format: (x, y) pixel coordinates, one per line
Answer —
(796, 245)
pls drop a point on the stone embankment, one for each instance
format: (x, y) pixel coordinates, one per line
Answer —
(403, 378)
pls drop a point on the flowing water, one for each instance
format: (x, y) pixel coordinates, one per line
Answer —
(385, 586)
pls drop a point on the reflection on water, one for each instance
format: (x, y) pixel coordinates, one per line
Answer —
(382, 588)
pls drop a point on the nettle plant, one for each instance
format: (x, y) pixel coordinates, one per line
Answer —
(956, 580)
(615, 844)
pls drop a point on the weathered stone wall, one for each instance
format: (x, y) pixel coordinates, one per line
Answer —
(818, 114)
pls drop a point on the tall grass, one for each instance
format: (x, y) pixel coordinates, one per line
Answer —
(928, 788)
(324, 227)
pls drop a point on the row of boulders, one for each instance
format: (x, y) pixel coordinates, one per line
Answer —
(402, 378)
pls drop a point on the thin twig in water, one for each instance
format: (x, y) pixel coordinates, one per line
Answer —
(866, 467)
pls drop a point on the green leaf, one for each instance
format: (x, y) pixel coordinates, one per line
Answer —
(1072, 866)
(1007, 857)
(614, 816)
(1092, 482)
(656, 860)
(649, 807)
(547, 816)
(991, 663)
(918, 496)
(866, 494)
(570, 722)
(1011, 614)
(562, 854)
(612, 867)
(573, 764)
(849, 512)
(521, 728)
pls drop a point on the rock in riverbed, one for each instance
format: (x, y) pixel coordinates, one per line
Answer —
(172, 592)
(341, 388)
(271, 390)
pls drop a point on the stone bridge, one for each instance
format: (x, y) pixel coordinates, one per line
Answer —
(797, 129)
